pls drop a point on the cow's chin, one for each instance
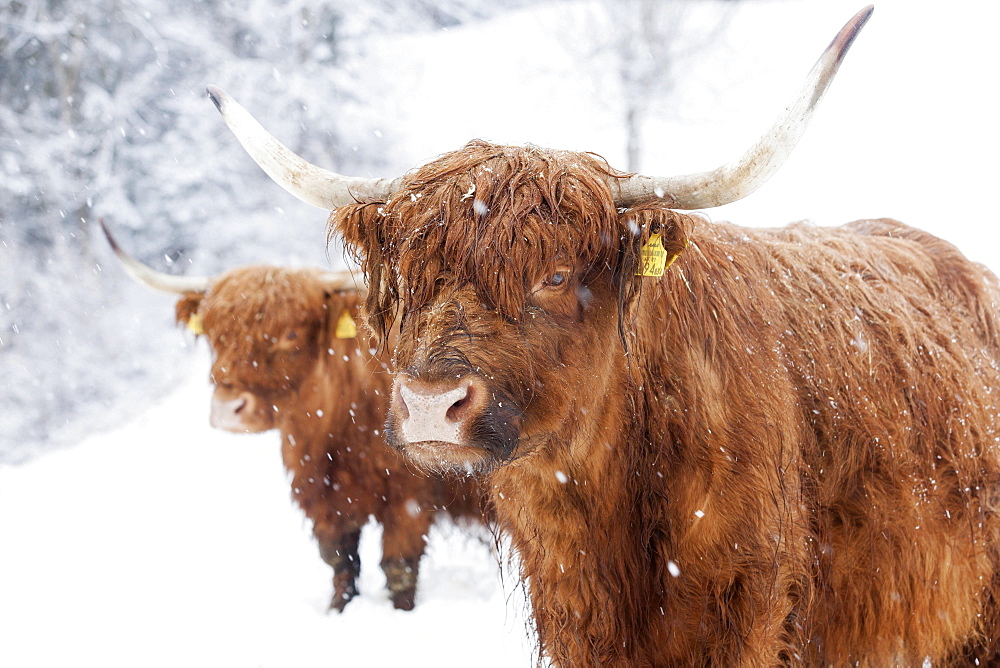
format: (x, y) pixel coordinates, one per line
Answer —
(444, 457)
(245, 423)
(243, 428)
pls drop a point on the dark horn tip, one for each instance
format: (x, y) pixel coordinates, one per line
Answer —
(215, 95)
(861, 18)
(845, 38)
(866, 14)
(107, 234)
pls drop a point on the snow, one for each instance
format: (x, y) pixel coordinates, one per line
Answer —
(165, 543)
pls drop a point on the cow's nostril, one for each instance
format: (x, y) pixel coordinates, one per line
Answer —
(404, 410)
(456, 413)
(239, 407)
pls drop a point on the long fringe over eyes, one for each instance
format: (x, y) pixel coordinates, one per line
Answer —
(497, 218)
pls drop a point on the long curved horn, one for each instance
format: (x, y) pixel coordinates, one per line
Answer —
(738, 179)
(152, 278)
(345, 280)
(311, 184)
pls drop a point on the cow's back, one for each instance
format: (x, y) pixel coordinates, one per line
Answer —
(879, 344)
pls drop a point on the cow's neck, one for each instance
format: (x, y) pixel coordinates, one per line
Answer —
(573, 510)
(335, 408)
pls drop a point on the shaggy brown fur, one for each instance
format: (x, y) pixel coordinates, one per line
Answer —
(783, 451)
(273, 334)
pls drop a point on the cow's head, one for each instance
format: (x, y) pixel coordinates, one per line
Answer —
(268, 328)
(514, 271)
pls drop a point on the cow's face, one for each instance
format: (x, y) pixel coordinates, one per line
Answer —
(513, 274)
(267, 329)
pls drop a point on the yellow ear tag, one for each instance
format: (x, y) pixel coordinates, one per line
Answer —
(654, 257)
(194, 324)
(346, 329)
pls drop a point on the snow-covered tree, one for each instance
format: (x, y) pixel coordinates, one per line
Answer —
(103, 113)
(646, 43)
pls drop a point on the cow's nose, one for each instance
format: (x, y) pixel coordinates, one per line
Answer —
(432, 412)
(231, 414)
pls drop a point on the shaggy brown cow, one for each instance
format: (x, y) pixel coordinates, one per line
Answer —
(784, 450)
(287, 357)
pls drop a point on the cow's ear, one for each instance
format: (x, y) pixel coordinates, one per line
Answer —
(658, 237)
(652, 237)
(363, 228)
(186, 311)
(342, 314)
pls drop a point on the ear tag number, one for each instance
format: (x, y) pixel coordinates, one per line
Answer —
(346, 329)
(654, 257)
(194, 324)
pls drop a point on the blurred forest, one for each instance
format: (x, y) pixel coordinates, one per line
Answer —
(103, 114)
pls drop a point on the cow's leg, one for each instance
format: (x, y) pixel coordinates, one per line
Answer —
(404, 537)
(340, 551)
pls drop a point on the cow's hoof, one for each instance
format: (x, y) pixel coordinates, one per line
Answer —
(404, 600)
(401, 578)
(343, 591)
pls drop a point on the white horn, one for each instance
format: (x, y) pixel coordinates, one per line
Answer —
(152, 278)
(738, 179)
(311, 184)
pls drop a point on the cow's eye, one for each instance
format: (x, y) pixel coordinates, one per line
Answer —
(289, 341)
(555, 280)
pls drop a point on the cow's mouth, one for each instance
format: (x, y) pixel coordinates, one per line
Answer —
(478, 454)
(443, 456)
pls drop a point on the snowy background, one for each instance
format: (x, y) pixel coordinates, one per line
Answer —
(132, 534)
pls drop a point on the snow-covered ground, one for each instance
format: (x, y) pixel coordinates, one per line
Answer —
(165, 543)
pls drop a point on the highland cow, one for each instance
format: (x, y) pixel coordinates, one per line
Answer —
(709, 445)
(287, 356)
